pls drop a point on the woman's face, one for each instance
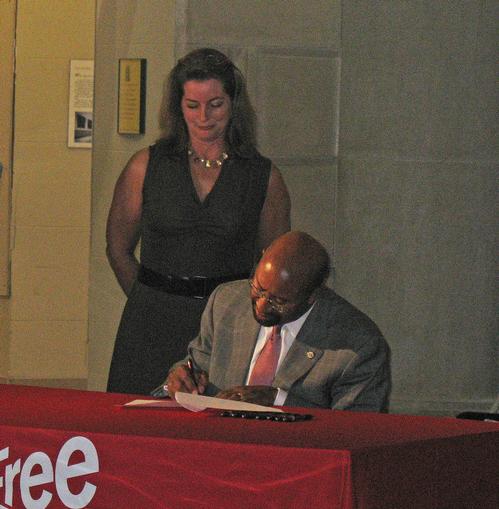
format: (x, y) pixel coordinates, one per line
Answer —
(206, 108)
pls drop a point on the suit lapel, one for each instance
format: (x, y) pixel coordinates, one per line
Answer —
(244, 341)
(299, 360)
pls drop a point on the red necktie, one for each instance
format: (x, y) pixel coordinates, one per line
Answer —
(266, 363)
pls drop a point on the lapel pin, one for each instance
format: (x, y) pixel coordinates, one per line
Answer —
(310, 355)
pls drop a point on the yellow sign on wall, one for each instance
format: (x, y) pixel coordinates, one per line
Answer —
(131, 96)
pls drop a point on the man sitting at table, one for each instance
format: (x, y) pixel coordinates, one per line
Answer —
(286, 339)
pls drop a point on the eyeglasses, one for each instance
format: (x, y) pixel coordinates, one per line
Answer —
(260, 294)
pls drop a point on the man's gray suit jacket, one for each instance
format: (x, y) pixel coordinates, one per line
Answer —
(339, 359)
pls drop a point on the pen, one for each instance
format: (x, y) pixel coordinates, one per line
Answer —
(161, 391)
(192, 373)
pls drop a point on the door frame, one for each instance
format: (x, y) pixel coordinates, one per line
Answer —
(7, 64)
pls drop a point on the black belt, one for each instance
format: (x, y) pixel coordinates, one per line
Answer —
(198, 287)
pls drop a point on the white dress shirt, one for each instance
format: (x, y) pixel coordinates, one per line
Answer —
(289, 331)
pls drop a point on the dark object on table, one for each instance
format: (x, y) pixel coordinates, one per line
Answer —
(266, 416)
(479, 416)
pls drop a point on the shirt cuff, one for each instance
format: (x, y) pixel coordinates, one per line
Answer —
(281, 397)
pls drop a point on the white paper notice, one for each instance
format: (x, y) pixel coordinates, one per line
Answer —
(81, 101)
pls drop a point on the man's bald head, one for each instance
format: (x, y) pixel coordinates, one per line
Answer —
(290, 269)
(299, 258)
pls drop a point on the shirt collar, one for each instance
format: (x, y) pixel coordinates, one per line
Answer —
(294, 327)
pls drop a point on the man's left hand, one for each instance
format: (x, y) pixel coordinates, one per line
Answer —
(259, 394)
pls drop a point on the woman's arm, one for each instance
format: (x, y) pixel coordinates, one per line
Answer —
(123, 222)
(275, 215)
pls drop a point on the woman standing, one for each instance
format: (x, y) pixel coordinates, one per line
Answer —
(203, 203)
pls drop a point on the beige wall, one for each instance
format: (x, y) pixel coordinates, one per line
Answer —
(124, 29)
(414, 232)
(47, 322)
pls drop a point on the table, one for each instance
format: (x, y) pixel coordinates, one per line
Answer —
(67, 448)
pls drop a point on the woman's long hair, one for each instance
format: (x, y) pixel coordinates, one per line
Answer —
(203, 64)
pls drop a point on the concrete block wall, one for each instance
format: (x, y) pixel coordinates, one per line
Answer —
(46, 331)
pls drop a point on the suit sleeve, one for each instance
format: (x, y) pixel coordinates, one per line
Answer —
(365, 383)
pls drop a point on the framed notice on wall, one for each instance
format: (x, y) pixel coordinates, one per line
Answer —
(132, 96)
(81, 99)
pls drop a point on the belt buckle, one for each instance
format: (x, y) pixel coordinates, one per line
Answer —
(205, 288)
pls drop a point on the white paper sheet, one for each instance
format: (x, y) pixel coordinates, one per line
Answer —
(197, 403)
(156, 403)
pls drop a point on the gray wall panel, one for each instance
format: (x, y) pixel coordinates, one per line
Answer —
(416, 238)
(296, 97)
(267, 23)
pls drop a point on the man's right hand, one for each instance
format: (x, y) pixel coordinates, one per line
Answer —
(180, 379)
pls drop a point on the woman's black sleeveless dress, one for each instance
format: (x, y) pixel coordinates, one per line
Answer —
(182, 236)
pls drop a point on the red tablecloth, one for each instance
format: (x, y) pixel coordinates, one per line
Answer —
(172, 458)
